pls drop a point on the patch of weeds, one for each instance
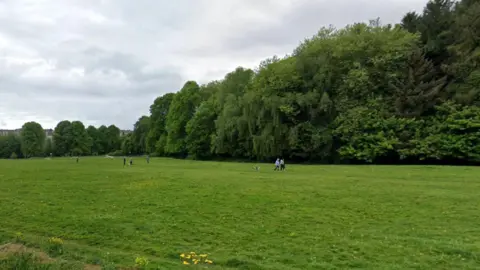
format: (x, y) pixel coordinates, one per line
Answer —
(55, 246)
(141, 262)
(23, 261)
(19, 238)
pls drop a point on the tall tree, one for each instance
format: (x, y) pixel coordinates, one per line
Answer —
(63, 138)
(128, 146)
(200, 130)
(181, 110)
(9, 145)
(156, 137)
(464, 68)
(113, 138)
(81, 143)
(102, 140)
(33, 139)
(95, 142)
(140, 133)
(418, 91)
(231, 136)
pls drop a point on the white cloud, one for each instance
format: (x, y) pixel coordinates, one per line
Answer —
(104, 62)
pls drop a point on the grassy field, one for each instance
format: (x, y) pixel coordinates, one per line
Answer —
(308, 217)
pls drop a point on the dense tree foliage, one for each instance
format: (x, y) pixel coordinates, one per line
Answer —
(181, 110)
(10, 145)
(32, 139)
(365, 93)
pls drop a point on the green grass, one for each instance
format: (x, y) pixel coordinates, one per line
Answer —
(309, 217)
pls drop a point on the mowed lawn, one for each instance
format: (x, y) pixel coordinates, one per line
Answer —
(308, 217)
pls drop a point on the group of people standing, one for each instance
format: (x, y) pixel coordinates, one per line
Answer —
(131, 160)
(279, 165)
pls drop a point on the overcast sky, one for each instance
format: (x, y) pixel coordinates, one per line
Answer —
(105, 61)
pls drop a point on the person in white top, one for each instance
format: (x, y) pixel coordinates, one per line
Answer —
(282, 165)
(277, 165)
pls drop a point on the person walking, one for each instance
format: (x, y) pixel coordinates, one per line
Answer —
(282, 165)
(148, 159)
(124, 161)
(277, 165)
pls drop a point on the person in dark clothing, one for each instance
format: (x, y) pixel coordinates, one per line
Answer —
(124, 161)
(131, 161)
(77, 159)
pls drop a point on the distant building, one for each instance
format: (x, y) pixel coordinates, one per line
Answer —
(6, 132)
(48, 133)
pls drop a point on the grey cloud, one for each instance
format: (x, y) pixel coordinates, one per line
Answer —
(104, 62)
(303, 20)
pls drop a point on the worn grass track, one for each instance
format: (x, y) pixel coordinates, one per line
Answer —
(309, 217)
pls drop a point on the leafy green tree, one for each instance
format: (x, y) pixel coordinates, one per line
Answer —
(102, 140)
(63, 138)
(94, 141)
(231, 136)
(32, 139)
(411, 22)
(81, 143)
(464, 67)
(128, 146)
(436, 20)
(140, 132)
(10, 144)
(181, 110)
(418, 91)
(200, 130)
(112, 136)
(452, 134)
(156, 137)
(368, 133)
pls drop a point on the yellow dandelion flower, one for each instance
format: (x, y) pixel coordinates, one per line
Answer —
(185, 262)
(188, 257)
(196, 262)
(193, 253)
(182, 255)
(209, 261)
(203, 255)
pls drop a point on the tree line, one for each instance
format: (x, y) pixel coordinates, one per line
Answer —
(373, 93)
(69, 139)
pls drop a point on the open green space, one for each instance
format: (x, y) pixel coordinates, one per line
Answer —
(308, 217)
